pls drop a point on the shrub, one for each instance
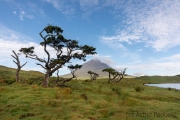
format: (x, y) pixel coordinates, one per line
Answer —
(36, 80)
(139, 89)
(83, 96)
(10, 81)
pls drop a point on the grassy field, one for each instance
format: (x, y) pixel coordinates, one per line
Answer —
(97, 100)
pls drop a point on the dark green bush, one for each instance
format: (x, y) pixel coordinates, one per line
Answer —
(10, 80)
(139, 89)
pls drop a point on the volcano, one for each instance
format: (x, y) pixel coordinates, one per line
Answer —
(93, 65)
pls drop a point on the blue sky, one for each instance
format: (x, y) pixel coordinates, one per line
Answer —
(142, 35)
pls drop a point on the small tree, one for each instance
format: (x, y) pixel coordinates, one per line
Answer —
(110, 72)
(19, 66)
(93, 75)
(115, 76)
(72, 68)
(53, 38)
(118, 76)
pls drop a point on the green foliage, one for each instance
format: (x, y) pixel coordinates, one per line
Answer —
(36, 80)
(109, 70)
(10, 80)
(29, 50)
(139, 89)
(53, 29)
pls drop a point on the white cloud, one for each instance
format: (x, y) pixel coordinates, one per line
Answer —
(21, 15)
(85, 3)
(156, 23)
(63, 6)
(105, 59)
(55, 3)
(139, 74)
(113, 44)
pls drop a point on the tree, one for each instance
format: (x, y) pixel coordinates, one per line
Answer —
(110, 72)
(19, 66)
(119, 75)
(93, 75)
(72, 68)
(115, 76)
(53, 38)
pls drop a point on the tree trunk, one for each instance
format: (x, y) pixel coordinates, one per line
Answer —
(109, 78)
(17, 75)
(67, 80)
(46, 80)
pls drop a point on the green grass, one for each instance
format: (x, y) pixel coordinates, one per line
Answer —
(97, 100)
(7, 76)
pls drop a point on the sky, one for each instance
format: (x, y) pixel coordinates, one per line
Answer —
(140, 35)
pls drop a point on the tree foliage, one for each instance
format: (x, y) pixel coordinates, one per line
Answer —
(53, 38)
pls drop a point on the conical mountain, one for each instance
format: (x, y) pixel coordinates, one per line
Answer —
(93, 65)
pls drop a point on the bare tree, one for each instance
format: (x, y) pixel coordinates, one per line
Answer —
(19, 66)
(53, 38)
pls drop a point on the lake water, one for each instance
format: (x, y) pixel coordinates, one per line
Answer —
(166, 85)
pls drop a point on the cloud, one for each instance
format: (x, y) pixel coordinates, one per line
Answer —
(56, 3)
(105, 59)
(85, 3)
(21, 15)
(155, 23)
(139, 50)
(11, 40)
(159, 67)
(138, 74)
(69, 8)
(63, 6)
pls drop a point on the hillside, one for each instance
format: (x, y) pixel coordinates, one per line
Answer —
(7, 75)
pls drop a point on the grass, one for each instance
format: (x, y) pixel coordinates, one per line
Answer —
(97, 100)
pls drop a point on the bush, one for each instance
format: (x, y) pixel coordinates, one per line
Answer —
(139, 89)
(35, 80)
(10, 81)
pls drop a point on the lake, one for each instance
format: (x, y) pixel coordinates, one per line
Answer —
(166, 85)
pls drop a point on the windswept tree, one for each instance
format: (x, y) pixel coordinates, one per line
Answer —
(73, 69)
(115, 76)
(19, 66)
(93, 75)
(65, 50)
(110, 72)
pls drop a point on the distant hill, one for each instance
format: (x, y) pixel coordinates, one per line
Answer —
(93, 65)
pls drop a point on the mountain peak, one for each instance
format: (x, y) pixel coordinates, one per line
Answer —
(94, 65)
(96, 59)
